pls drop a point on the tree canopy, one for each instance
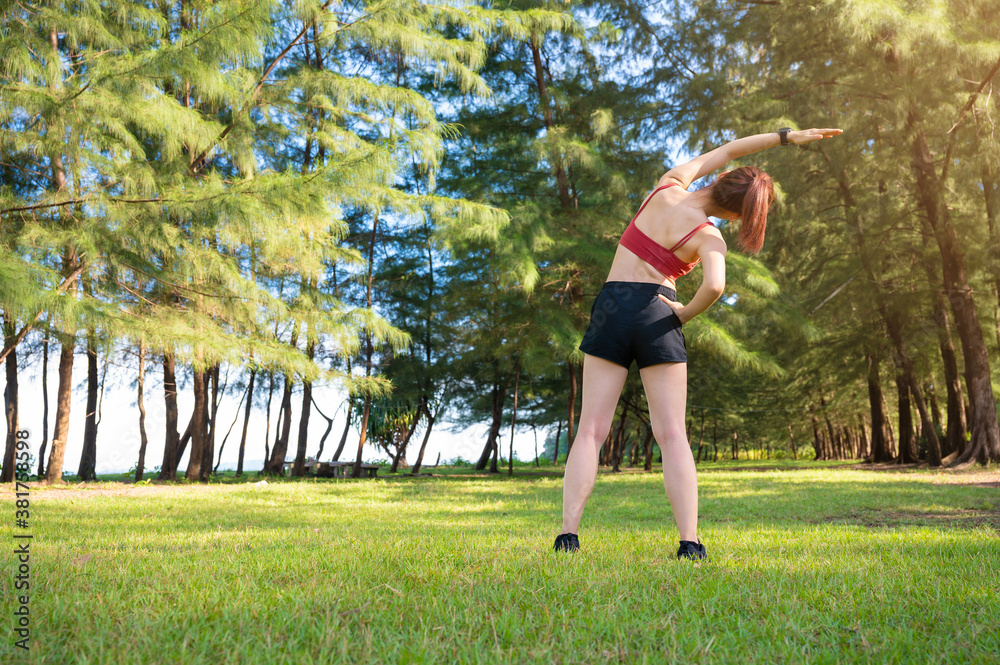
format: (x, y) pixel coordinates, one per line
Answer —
(417, 202)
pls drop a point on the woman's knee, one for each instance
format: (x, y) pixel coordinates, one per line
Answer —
(596, 429)
(668, 436)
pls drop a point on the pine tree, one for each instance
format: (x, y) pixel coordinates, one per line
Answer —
(766, 78)
(153, 123)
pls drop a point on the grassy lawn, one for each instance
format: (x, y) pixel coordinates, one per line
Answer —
(808, 565)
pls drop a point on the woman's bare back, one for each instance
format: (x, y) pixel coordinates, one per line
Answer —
(666, 218)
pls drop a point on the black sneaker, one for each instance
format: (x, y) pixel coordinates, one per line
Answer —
(690, 550)
(567, 542)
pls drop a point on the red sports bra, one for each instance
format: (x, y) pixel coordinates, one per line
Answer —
(647, 249)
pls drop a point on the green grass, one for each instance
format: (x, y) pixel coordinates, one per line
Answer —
(808, 565)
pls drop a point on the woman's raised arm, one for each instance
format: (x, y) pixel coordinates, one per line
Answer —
(702, 165)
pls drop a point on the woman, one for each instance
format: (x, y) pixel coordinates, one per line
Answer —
(637, 317)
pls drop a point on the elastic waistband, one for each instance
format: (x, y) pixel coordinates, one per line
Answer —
(643, 287)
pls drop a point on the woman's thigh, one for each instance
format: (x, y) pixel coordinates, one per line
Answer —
(603, 381)
(666, 392)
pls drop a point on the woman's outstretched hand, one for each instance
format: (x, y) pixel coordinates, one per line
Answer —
(807, 135)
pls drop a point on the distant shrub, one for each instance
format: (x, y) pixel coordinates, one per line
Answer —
(135, 468)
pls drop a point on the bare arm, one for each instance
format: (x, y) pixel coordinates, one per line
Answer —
(702, 165)
(713, 279)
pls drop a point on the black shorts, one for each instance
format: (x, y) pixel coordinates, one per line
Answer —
(629, 322)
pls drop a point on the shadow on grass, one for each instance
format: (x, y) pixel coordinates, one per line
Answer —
(469, 505)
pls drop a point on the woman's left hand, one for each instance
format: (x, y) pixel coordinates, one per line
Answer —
(807, 135)
(674, 305)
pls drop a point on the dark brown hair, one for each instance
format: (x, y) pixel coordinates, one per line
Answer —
(748, 192)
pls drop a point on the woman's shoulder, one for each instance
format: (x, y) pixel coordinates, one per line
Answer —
(670, 181)
(709, 237)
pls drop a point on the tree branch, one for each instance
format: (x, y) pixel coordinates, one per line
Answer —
(961, 116)
(199, 161)
(27, 327)
(41, 206)
(808, 87)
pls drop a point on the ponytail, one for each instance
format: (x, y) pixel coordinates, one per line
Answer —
(748, 192)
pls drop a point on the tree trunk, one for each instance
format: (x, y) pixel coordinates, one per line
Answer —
(991, 202)
(426, 390)
(906, 367)
(70, 264)
(701, 435)
(864, 449)
(211, 417)
(267, 428)
(623, 441)
(326, 433)
(829, 451)
(45, 400)
(513, 422)
(498, 396)
(907, 451)
(197, 426)
(276, 464)
(572, 407)
(64, 394)
(222, 446)
(617, 441)
(555, 451)
(369, 348)
(543, 99)
(423, 444)
(299, 468)
(604, 455)
(494, 466)
(880, 448)
(817, 443)
(347, 428)
(10, 403)
(715, 442)
(647, 449)
(185, 438)
(985, 440)
(88, 458)
(933, 406)
(246, 421)
(356, 470)
(892, 433)
(143, 439)
(171, 442)
(957, 426)
(736, 445)
(792, 448)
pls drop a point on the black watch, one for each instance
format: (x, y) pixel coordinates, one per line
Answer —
(783, 133)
